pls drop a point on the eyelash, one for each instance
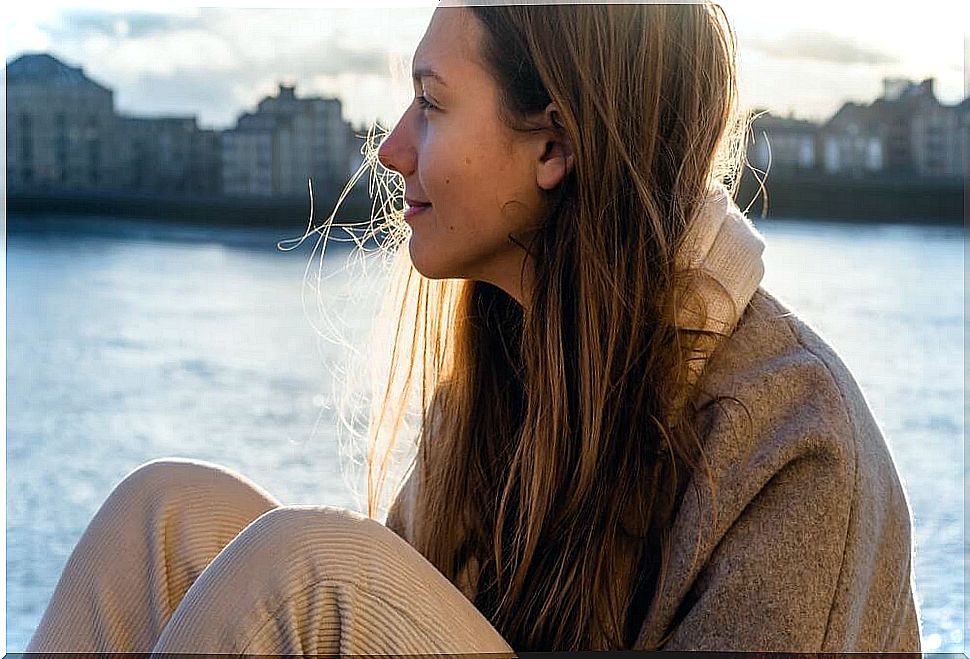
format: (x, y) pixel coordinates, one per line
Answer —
(425, 104)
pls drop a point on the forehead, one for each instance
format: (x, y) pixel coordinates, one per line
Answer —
(450, 44)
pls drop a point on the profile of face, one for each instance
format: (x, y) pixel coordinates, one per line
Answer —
(482, 179)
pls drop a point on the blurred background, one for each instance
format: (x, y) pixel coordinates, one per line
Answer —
(155, 160)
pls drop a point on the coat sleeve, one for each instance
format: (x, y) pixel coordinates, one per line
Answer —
(770, 581)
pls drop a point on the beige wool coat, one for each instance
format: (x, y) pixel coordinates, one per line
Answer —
(813, 547)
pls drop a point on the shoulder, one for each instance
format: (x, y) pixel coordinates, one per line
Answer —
(770, 344)
(791, 398)
(788, 392)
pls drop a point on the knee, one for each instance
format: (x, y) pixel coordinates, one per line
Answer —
(170, 479)
(317, 532)
(164, 471)
(300, 524)
(328, 544)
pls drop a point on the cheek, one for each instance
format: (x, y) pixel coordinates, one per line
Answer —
(456, 188)
(471, 185)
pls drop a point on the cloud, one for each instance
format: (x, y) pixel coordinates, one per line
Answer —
(183, 95)
(304, 42)
(213, 59)
(80, 24)
(820, 46)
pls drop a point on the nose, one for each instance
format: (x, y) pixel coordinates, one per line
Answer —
(397, 151)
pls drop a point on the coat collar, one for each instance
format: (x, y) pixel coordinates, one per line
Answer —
(723, 243)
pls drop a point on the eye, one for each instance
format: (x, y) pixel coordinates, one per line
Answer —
(425, 104)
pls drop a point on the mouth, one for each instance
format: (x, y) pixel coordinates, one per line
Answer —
(414, 209)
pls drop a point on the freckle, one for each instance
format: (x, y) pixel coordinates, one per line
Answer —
(447, 180)
(451, 226)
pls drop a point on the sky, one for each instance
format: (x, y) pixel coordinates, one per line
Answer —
(803, 59)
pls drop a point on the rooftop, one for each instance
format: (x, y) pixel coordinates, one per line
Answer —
(43, 68)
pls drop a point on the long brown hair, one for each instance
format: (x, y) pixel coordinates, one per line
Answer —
(553, 445)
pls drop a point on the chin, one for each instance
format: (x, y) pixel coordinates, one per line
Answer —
(426, 264)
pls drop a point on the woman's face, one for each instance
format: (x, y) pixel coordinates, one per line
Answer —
(482, 180)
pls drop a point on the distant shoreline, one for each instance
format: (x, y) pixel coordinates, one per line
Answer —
(804, 197)
(257, 212)
(857, 200)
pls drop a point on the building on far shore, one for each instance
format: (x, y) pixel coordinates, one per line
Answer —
(921, 134)
(963, 114)
(61, 127)
(787, 144)
(906, 132)
(286, 143)
(64, 135)
(852, 142)
(247, 156)
(170, 155)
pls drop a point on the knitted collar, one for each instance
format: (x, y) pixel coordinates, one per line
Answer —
(723, 243)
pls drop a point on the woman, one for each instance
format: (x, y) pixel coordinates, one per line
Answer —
(630, 443)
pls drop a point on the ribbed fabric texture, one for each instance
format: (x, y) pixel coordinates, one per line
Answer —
(723, 243)
(187, 556)
(146, 545)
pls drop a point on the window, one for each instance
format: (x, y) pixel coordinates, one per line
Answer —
(26, 146)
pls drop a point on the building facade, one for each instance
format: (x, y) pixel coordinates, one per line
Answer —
(63, 134)
(852, 143)
(963, 139)
(904, 132)
(170, 155)
(248, 155)
(287, 144)
(781, 144)
(62, 131)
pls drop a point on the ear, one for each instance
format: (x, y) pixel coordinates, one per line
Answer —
(556, 159)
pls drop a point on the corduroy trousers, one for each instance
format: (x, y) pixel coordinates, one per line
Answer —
(187, 556)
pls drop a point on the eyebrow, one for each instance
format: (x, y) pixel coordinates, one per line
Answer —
(427, 73)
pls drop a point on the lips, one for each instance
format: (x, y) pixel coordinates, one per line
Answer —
(414, 207)
(411, 211)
